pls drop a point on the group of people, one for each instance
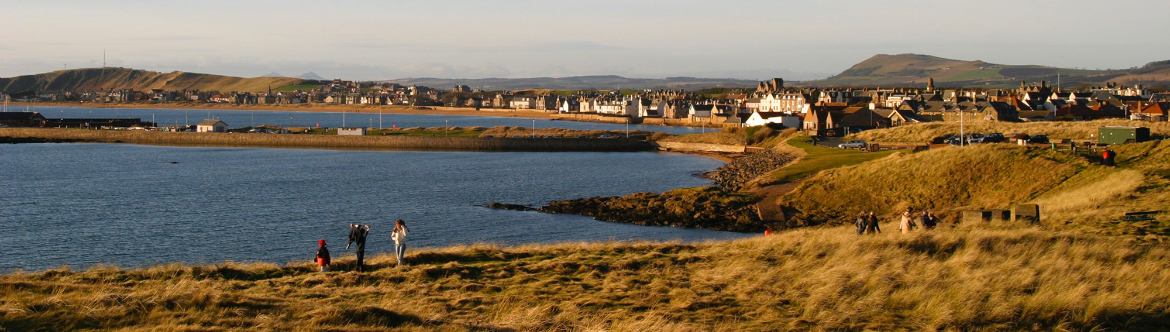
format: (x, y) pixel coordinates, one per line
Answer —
(867, 223)
(357, 235)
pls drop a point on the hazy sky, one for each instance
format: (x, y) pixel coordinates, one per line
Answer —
(369, 40)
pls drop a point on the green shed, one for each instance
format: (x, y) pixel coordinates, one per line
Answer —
(1119, 135)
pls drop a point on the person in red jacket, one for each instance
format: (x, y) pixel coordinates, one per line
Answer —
(1109, 155)
(322, 256)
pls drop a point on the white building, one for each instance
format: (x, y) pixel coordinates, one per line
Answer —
(763, 118)
(211, 126)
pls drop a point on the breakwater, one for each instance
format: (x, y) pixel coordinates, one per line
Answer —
(324, 141)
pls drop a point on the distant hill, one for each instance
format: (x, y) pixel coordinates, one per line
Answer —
(273, 74)
(311, 76)
(579, 83)
(917, 69)
(97, 79)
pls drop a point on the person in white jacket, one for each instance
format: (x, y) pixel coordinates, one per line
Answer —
(399, 237)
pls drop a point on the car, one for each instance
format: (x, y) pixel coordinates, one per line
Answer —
(993, 138)
(975, 138)
(831, 132)
(1038, 139)
(853, 144)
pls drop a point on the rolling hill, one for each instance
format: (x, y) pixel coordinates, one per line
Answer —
(98, 79)
(917, 69)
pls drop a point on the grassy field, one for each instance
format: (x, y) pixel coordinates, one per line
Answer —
(1075, 130)
(819, 158)
(1074, 191)
(952, 279)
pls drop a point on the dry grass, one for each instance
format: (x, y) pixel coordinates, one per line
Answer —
(1073, 190)
(729, 136)
(1056, 130)
(957, 279)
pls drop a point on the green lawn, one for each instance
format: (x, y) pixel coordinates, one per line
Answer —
(820, 158)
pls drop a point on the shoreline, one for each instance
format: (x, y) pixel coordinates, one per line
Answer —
(487, 144)
(369, 109)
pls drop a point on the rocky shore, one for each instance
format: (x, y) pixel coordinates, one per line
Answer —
(704, 207)
(735, 174)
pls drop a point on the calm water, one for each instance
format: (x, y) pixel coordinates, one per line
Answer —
(133, 205)
(171, 117)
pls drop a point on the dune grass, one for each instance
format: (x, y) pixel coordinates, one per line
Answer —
(921, 133)
(962, 279)
(1073, 190)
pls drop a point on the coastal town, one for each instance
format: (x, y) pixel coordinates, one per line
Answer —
(825, 111)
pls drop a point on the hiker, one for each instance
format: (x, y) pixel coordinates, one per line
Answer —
(399, 236)
(862, 221)
(322, 256)
(1108, 157)
(357, 234)
(928, 220)
(907, 223)
(871, 226)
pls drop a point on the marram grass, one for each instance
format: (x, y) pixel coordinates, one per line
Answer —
(949, 279)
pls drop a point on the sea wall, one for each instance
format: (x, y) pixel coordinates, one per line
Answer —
(326, 141)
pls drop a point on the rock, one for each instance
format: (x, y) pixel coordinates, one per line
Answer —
(735, 174)
(514, 207)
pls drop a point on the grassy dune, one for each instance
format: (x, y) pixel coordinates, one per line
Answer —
(921, 133)
(962, 279)
(1073, 190)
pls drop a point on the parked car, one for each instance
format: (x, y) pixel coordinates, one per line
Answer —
(992, 138)
(975, 138)
(853, 144)
(1038, 139)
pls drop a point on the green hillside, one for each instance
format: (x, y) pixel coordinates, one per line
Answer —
(98, 79)
(917, 69)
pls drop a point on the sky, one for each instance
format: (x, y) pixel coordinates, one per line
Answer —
(746, 39)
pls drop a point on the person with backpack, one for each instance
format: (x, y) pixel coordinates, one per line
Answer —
(357, 234)
(322, 256)
(907, 223)
(399, 237)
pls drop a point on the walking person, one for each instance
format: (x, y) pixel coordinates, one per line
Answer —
(871, 226)
(399, 236)
(357, 234)
(907, 223)
(322, 256)
(928, 220)
(861, 223)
